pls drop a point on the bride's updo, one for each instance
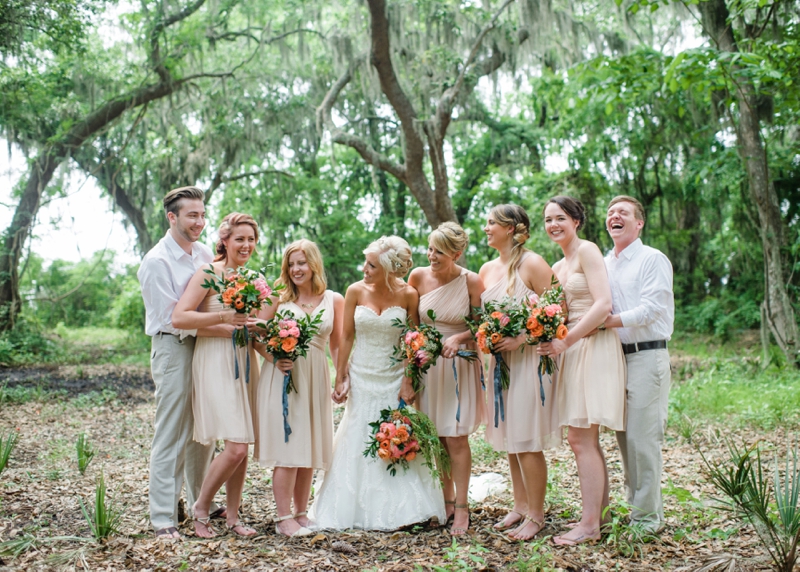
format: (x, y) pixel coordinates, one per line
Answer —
(394, 256)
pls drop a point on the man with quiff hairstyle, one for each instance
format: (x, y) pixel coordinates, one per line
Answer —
(164, 273)
(643, 310)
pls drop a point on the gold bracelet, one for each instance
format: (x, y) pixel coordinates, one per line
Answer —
(220, 316)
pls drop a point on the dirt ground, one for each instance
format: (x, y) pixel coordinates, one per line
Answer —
(41, 488)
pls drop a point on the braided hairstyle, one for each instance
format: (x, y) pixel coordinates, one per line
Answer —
(394, 256)
(515, 217)
(226, 227)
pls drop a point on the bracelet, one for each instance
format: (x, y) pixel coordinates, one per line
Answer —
(602, 326)
(220, 316)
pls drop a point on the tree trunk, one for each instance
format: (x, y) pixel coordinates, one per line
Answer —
(41, 172)
(779, 312)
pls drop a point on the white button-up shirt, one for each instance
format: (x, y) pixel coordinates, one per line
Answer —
(641, 291)
(164, 274)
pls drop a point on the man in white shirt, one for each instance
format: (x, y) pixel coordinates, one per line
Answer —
(164, 274)
(643, 310)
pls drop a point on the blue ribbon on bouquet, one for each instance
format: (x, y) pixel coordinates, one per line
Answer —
(287, 430)
(236, 356)
(458, 396)
(498, 388)
(541, 383)
(401, 404)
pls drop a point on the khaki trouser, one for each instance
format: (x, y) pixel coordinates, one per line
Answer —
(174, 453)
(640, 444)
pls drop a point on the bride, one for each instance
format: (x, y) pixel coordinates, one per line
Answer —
(359, 492)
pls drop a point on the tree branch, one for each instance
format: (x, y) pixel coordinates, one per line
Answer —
(160, 25)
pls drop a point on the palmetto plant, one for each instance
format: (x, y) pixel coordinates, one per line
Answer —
(770, 505)
(104, 518)
(85, 452)
(7, 445)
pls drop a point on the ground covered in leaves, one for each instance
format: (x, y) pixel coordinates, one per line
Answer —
(41, 489)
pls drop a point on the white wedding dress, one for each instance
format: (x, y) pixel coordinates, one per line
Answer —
(358, 492)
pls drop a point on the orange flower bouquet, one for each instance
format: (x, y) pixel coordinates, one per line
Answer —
(243, 290)
(546, 323)
(399, 435)
(288, 337)
(498, 319)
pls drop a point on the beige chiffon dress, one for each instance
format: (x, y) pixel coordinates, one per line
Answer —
(310, 416)
(220, 400)
(529, 425)
(591, 389)
(444, 397)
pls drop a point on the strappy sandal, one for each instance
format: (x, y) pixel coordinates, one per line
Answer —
(205, 521)
(239, 524)
(167, 533)
(528, 518)
(452, 516)
(514, 524)
(302, 531)
(457, 531)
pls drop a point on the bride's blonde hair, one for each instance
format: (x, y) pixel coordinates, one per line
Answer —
(394, 256)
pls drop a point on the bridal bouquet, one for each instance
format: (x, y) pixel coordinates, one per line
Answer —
(398, 435)
(421, 345)
(288, 337)
(244, 290)
(498, 319)
(546, 323)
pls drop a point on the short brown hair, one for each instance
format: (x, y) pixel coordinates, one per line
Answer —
(638, 209)
(172, 200)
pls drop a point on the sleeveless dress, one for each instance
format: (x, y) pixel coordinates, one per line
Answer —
(310, 408)
(529, 426)
(591, 389)
(358, 492)
(220, 401)
(438, 398)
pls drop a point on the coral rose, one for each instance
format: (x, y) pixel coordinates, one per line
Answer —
(385, 444)
(562, 332)
(238, 304)
(402, 434)
(384, 454)
(496, 337)
(531, 323)
(537, 331)
(288, 344)
(497, 315)
(227, 295)
(411, 455)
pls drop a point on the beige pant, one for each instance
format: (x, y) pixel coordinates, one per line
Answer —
(640, 444)
(174, 453)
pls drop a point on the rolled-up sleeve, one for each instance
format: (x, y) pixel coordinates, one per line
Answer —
(656, 298)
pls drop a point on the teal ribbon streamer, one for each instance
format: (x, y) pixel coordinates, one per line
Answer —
(401, 404)
(287, 430)
(236, 356)
(498, 389)
(458, 396)
(541, 384)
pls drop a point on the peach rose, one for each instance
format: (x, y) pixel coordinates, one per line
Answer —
(385, 444)
(562, 332)
(288, 344)
(496, 338)
(384, 454)
(537, 331)
(531, 323)
(410, 456)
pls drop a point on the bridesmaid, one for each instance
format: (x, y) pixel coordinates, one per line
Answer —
(456, 407)
(591, 389)
(220, 400)
(529, 426)
(310, 444)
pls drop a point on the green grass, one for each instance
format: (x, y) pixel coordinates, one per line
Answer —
(104, 345)
(736, 391)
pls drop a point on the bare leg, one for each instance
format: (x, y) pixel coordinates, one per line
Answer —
(591, 465)
(520, 495)
(284, 480)
(233, 492)
(461, 465)
(302, 492)
(221, 469)
(533, 468)
(448, 484)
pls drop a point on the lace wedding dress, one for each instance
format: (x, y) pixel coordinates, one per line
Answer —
(358, 492)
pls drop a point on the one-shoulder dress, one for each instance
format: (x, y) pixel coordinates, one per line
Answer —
(591, 389)
(529, 426)
(220, 400)
(310, 416)
(444, 397)
(358, 492)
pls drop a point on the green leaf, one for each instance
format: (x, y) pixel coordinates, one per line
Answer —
(673, 85)
(681, 111)
(609, 109)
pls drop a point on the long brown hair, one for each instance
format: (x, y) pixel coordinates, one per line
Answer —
(314, 259)
(226, 227)
(513, 216)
